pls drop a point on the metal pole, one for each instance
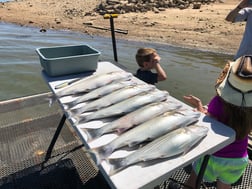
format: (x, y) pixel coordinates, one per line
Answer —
(113, 37)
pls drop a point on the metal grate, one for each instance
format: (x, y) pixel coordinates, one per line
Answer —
(26, 129)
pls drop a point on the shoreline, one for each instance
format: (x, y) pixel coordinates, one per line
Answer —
(202, 29)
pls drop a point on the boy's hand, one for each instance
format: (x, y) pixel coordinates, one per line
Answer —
(156, 58)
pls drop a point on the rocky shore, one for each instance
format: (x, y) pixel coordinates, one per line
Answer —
(141, 6)
(174, 22)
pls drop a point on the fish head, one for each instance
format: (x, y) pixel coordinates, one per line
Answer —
(198, 130)
(160, 93)
(128, 75)
(189, 112)
(121, 74)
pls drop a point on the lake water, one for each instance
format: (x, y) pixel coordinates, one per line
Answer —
(189, 71)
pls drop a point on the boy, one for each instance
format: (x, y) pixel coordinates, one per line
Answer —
(148, 59)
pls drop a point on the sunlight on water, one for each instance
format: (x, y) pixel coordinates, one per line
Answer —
(189, 71)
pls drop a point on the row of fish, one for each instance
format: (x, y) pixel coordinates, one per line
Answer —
(145, 115)
(174, 143)
(148, 131)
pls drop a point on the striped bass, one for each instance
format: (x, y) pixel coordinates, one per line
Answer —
(125, 106)
(99, 92)
(93, 82)
(174, 143)
(113, 98)
(132, 119)
(148, 131)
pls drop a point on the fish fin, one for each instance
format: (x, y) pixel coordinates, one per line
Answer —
(101, 153)
(69, 105)
(81, 118)
(132, 144)
(116, 164)
(186, 151)
(77, 119)
(66, 106)
(70, 113)
(120, 130)
(77, 111)
(93, 133)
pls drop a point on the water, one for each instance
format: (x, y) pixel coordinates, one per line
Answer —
(189, 71)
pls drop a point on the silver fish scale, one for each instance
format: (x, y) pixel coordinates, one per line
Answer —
(171, 144)
(151, 130)
(92, 82)
(114, 97)
(135, 118)
(126, 106)
(101, 91)
(178, 141)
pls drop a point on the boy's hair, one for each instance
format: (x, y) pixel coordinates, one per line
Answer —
(144, 55)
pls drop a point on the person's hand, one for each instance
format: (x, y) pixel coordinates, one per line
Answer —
(156, 58)
(195, 102)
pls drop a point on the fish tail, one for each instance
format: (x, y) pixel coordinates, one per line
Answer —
(93, 133)
(69, 105)
(51, 98)
(116, 164)
(102, 153)
(73, 113)
(66, 106)
(76, 111)
(78, 118)
(85, 118)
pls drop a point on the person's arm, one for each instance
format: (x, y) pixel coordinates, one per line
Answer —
(160, 71)
(233, 13)
(196, 103)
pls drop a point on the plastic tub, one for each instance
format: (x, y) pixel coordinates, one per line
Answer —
(65, 60)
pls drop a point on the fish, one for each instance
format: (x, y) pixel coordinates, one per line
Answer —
(148, 131)
(173, 144)
(132, 119)
(114, 97)
(92, 82)
(99, 92)
(124, 106)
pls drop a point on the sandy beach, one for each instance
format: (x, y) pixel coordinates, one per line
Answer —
(203, 28)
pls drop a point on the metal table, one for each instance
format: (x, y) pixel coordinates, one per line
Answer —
(138, 176)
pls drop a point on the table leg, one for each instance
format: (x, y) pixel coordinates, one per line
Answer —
(55, 137)
(202, 171)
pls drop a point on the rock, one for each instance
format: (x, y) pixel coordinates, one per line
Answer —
(196, 5)
(126, 6)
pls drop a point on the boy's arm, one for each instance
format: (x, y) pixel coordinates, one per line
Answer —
(160, 71)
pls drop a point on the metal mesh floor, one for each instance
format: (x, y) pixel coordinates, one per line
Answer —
(27, 126)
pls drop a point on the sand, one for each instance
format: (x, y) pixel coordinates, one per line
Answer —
(204, 28)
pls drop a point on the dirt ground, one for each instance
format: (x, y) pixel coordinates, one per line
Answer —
(203, 28)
